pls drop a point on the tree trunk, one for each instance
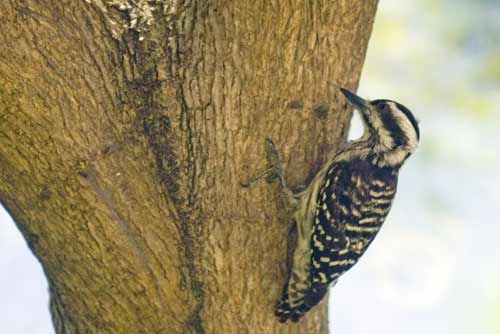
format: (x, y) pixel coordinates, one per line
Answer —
(126, 127)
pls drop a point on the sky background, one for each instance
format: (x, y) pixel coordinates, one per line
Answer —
(435, 266)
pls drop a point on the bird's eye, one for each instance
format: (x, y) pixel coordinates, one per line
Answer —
(383, 107)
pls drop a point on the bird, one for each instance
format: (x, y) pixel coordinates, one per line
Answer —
(339, 213)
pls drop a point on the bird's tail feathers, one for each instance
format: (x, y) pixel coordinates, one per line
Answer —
(295, 308)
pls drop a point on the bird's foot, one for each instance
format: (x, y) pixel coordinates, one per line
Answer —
(275, 171)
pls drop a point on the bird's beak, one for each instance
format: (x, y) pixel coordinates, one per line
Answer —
(356, 101)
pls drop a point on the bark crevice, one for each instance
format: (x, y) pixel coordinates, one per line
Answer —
(157, 129)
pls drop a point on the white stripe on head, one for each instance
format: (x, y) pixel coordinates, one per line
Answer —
(397, 155)
(384, 136)
(406, 127)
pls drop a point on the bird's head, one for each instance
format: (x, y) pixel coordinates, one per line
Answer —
(392, 126)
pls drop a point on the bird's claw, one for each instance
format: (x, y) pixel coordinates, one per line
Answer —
(273, 172)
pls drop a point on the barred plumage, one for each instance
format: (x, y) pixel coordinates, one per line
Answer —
(341, 211)
(339, 214)
(348, 210)
(349, 213)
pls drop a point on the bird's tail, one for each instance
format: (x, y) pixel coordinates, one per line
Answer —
(295, 303)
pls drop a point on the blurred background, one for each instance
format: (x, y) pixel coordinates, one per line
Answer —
(435, 268)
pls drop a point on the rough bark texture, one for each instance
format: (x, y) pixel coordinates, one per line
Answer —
(126, 128)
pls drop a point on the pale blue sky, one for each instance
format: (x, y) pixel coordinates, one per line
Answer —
(435, 266)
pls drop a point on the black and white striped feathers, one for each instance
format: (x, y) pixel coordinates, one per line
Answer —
(344, 207)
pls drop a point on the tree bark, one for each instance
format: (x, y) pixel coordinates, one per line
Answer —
(126, 127)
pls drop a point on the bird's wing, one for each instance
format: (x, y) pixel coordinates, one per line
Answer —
(331, 253)
(351, 207)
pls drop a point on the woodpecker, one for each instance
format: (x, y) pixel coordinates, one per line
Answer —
(341, 211)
